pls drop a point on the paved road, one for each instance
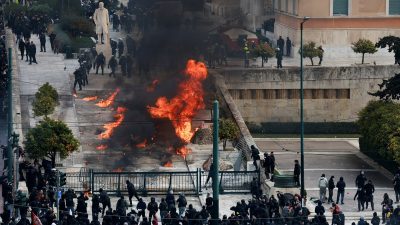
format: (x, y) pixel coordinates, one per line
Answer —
(334, 158)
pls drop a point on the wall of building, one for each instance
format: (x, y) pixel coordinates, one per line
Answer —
(314, 8)
(332, 94)
(368, 8)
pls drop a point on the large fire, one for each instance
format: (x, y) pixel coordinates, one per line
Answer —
(90, 98)
(181, 109)
(183, 151)
(109, 100)
(109, 127)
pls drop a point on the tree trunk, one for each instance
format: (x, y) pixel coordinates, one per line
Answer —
(224, 144)
(262, 61)
(362, 62)
(312, 62)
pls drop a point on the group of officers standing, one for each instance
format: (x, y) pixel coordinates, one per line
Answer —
(90, 58)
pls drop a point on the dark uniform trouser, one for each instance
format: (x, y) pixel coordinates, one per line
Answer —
(102, 68)
(42, 47)
(112, 71)
(79, 82)
(131, 194)
(371, 200)
(330, 195)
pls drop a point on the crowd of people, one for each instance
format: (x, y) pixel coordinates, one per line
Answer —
(3, 63)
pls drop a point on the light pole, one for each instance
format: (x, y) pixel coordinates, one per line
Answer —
(302, 110)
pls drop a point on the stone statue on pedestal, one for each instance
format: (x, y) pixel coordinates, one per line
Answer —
(102, 21)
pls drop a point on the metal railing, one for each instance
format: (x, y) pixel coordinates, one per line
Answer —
(190, 182)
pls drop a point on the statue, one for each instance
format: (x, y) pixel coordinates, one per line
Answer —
(101, 19)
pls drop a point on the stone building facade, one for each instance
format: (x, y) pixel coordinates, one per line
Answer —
(331, 94)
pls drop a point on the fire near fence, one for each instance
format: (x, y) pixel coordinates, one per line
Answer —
(191, 183)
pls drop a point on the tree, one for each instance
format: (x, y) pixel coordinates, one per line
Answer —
(46, 99)
(364, 46)
(380, 127)
(265, 51)
(389, 89)
(393, 45)
(43, 106)
(49, 138)
(228, 130)
(311, 51)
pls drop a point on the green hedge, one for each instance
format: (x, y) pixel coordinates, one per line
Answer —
(66, 40)
(369, 150)
(309, 128)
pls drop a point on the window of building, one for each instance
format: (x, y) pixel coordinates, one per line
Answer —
(394, 7)
(340, 7)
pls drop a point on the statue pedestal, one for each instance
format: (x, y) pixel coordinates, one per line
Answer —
(105, 48)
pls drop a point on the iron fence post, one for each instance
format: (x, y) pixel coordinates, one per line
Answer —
(197, 182)
(170, 181)
(119, 185)
(144, 186)
(91, 174)
(200, 174)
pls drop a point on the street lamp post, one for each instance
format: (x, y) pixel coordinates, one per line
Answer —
(302, 110)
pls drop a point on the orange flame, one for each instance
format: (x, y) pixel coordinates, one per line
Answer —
(102, 147)
(109, 127)
(90, 98)
(142, 144)
(109, 100)
(181, 109)
(118, 170)
(152, 86)
(168, 164)
(183, 151)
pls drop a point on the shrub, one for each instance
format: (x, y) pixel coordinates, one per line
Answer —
(364, 46)
(77, 26)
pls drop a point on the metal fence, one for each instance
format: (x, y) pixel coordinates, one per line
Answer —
(191, 183)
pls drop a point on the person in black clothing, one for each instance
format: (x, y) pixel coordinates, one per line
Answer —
(360, 180)
(52, 37)
(152, 206)
(141, 208)
(340, 193)
(100, 62)
(42, 39)
(170, 199)
(95, 206)
(272, 161)
(209, 176)
(396, 186)
(131, 192)
(319, 209)
(209, 202)
(163, 207)
(255, 154)
(288, 46)
(32, 53)
(281, 44)
(279, 58)
(121, 206)
(104, 200)
(267, 165)
(296, 172)
(112, 63)
(21, 46)
(114, 46)
(331, 186)
(369, 194)
(120, 47)
(360, 195)
(78, 77)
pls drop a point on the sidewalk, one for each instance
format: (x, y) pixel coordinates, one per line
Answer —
(51, 68)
